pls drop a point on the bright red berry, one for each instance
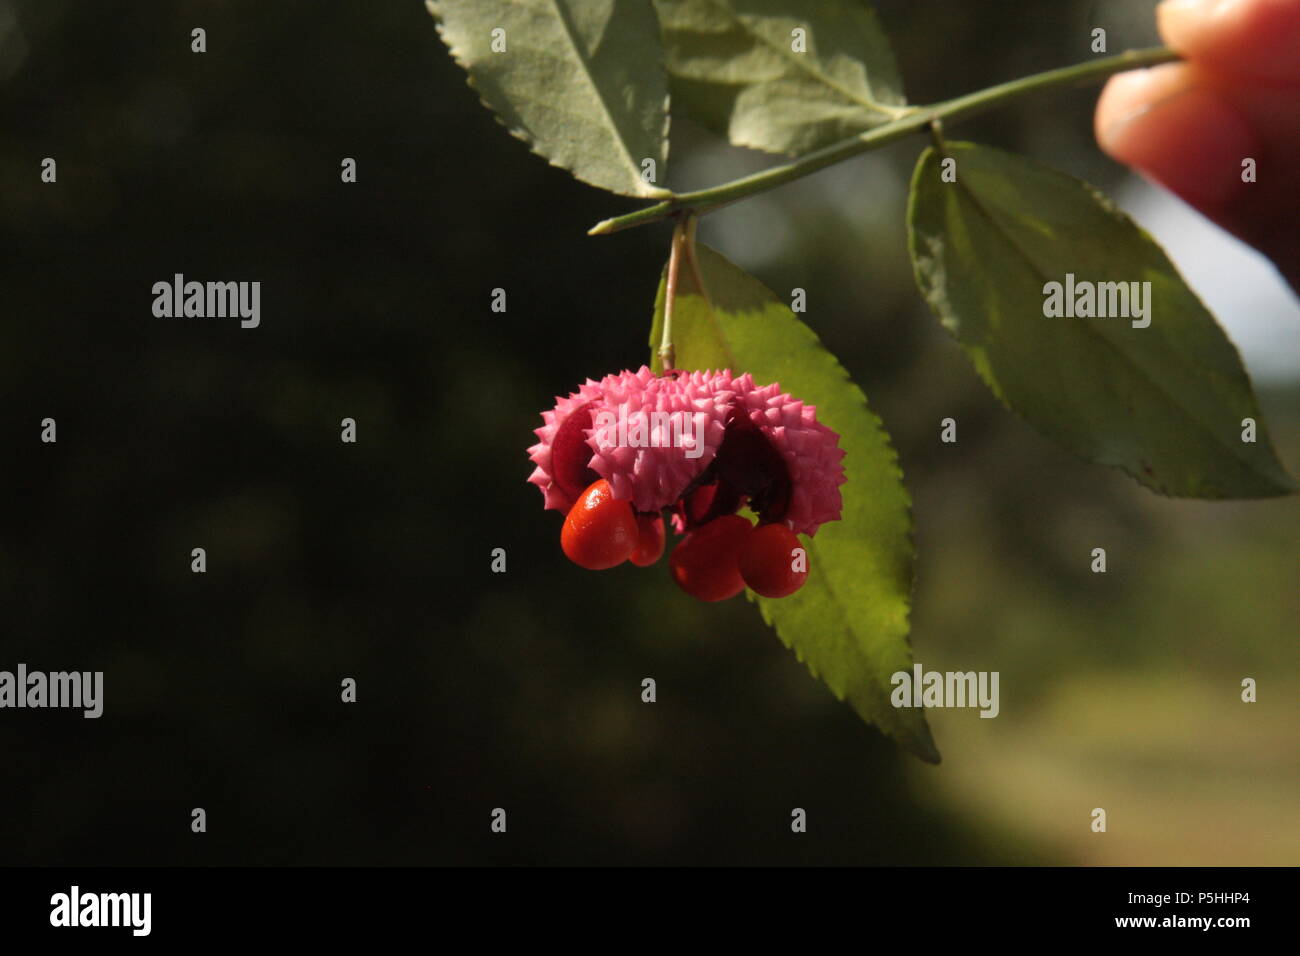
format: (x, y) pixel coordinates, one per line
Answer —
(706, 562)
(650, 544)
(600, 531)
(773, 562)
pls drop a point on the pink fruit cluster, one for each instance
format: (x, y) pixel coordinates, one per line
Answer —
(710, 443)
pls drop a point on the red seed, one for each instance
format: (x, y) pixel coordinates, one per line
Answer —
(600, 531)
(705, 564)
(773, 562)
(650, 543)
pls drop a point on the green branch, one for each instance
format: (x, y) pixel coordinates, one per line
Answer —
(683, 235)
(912, 120)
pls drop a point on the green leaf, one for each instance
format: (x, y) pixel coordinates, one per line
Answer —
(581, 81)
(849, 622)
(1163, 402)
(733, 68)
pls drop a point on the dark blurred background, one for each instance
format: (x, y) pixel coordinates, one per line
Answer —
(372, 561)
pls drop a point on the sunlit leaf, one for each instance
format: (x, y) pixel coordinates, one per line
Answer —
(742, 68)
(1162, 396)
(849, 622)
(581, 81)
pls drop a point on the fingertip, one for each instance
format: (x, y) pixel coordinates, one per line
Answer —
(1255, 38)
(1127, 96)
(1182, 134)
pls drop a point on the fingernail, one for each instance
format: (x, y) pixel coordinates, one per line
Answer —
(1128, 96)
(1180, 7)
(1172, 16)
(1188, 139)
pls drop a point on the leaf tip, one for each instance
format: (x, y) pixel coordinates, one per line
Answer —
(926, 751)
(1284, 485)
(917, 740)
